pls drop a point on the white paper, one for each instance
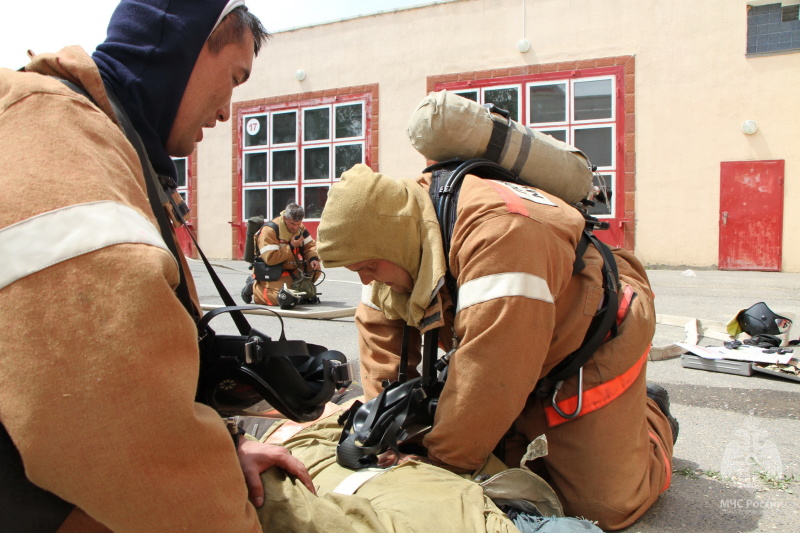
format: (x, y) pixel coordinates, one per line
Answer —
(742, 353)
(700, 351)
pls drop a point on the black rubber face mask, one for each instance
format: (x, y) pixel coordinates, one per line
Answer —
(759, 319)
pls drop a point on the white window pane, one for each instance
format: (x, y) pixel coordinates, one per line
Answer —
(255, 131)
(316, 124)
(255, 167)
(284, 165)
(349, 121)
(316, 163)
(592, 100)
(314, 199)
(505, 98)
(280, 199)
(255, 203)
(469, 95)
(284, 128)
(597, 144)
(606, 183)
(180, 167)
(561, 135)
(347, 155)
(548, 103)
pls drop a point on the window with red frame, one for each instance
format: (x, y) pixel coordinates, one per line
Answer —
(294, 153)
(579, 109)
(182, 166)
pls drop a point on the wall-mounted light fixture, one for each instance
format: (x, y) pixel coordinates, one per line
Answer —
(523, 45)
(300, 75)
(749, 127)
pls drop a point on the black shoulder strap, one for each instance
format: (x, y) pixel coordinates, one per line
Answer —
(446, 213)
(603, 322)
(158, 198)
(274, 227)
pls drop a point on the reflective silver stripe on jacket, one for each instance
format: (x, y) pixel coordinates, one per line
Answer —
(354, 481)
(269, 248)
(50, 238)
(494, 286)
(307, 240)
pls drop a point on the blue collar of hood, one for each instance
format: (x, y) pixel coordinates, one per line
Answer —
(146, 60)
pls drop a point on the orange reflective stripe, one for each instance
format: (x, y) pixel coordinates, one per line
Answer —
(597, 397)
(622, 309)
(667, 462)
(513, 202)
(266, 297)
(625, 304)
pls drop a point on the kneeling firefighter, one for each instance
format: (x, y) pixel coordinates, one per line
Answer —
(508, 280)
(285, 265)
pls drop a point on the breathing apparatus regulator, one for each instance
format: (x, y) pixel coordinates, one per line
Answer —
(400, 416)
(288, 298)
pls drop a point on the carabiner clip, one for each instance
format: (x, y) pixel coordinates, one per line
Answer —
(578, 409)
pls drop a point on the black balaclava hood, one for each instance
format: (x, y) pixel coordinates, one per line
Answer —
(146, 60)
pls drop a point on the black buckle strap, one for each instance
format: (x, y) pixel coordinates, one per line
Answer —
(156, 196)
(445, 186)
(499, 136)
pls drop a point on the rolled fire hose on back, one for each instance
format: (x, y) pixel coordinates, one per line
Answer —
(448, 126)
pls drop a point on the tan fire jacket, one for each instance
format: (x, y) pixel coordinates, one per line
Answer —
(98, 358)
(520, 312)
(274, 249)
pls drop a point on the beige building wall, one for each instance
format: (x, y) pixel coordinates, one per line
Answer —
(694, 86)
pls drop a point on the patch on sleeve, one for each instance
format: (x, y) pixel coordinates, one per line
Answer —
(527, 193)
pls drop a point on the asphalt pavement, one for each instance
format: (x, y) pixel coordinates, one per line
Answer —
(736, 463)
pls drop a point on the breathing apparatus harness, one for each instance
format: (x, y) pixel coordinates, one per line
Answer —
(403, 412)
(447, 178)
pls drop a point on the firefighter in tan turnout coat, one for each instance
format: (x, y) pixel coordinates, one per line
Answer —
(520, 312)
(284, 241)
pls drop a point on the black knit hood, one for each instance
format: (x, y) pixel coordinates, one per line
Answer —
(147, 58)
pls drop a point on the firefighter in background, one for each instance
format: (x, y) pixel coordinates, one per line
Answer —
(283, 241)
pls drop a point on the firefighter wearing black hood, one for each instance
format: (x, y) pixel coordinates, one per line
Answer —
(99, 379)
